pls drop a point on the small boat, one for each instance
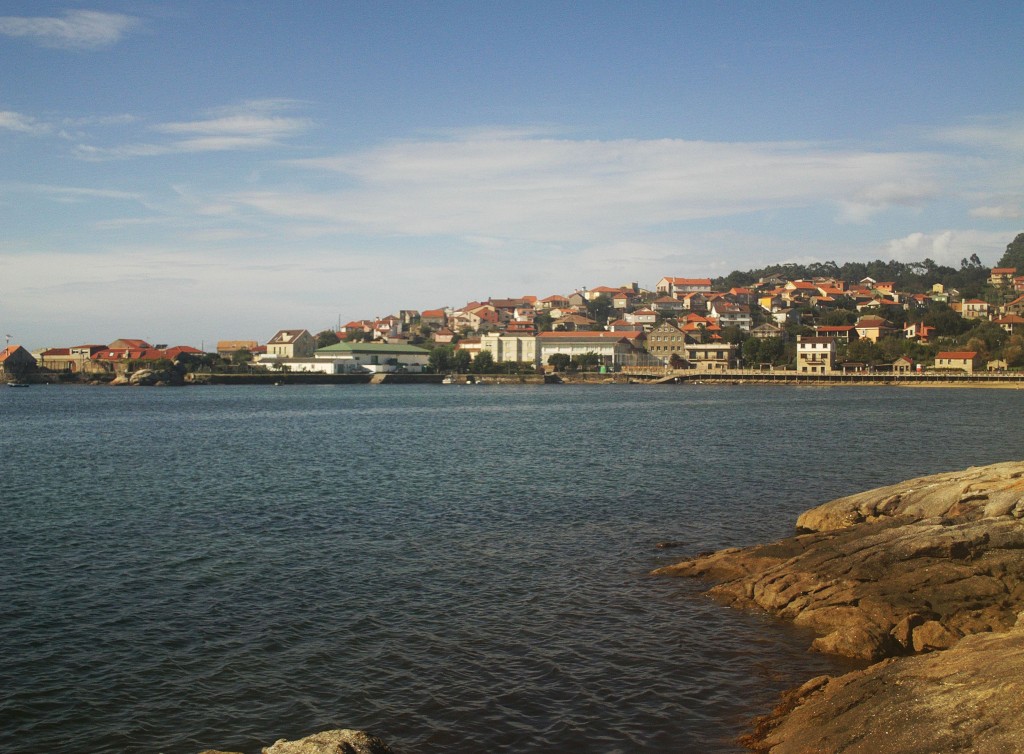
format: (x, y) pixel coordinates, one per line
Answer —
(17, 384)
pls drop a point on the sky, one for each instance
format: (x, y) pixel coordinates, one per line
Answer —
(192, 171)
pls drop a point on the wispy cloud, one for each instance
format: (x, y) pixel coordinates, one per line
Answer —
(547, 189)
(251, 125)
(75, 30)
(1002, 133)
(12, 121)
(1008, 211)
(73, 193)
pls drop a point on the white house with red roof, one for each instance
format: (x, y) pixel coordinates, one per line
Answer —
(678, 287)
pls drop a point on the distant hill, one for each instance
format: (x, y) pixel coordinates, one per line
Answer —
(911, 277)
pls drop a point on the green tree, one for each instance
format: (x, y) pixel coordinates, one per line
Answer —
(865, 351)
(586, 361)
(560, 361)
(326, 338)
(440, 359)
(483, 363)
(1014, 254)
(461, 361)
(241, 356)
(600, 309)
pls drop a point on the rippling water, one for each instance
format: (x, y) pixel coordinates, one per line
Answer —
(456, 569)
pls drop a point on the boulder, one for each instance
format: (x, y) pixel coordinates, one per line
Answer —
(967, 699)
(932, 568)
(332, 742)
(337, 741)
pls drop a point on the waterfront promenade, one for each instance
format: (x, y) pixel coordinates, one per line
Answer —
(660, 375)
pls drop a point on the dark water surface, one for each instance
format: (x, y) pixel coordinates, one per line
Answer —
(457, 569)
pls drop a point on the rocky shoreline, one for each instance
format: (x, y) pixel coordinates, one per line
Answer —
(925, 579)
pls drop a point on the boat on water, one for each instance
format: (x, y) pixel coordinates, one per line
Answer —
(17, 384)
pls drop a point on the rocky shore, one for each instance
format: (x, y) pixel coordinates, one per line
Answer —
(338, 741)
(926, 580)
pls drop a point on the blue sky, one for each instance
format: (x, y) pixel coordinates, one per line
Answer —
(192, 171)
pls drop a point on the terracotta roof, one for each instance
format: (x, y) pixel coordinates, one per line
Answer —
(689, 281)
(956, 355)
(591, 335)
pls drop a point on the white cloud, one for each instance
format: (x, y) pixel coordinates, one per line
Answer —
(12, 121)
(546, 189)
(73, 193)
(947, 246)
(251, 125)
(1010, 211)
(76, 30)
(1001, 133)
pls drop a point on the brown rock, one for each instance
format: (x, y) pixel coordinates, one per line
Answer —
(967, 699)
(936, 563)
(332, 742)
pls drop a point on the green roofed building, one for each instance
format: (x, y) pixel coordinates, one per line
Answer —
(374, 357)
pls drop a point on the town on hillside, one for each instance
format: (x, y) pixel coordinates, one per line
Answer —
(808, 323)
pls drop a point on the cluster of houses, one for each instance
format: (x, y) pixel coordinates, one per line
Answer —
(679, 324)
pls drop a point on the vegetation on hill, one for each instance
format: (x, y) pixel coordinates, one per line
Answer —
(912, 277)
(1014, 254)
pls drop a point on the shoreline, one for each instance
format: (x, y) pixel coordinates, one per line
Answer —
(681, 379)
(923, 579)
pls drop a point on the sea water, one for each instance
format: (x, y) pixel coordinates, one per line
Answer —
(455, 568)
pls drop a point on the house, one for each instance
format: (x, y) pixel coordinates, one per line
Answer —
(612, 348)
(574, 323)
(55, 359)
(434, 317)
(290, 344)
(474, 317)
(727, 314)
(354, 327)
(841, 333)
(73, 359)
(621, 325)
(1012, 323)
(373, 357)
(1002, 277)
(552, 302)
(918, 331)
(227, 348)
(767, 331)
(665, 340)
(16, 362)
(976, 309)
(174, 353)
(903, 365)
(694, 302)
(678, 287)
(667, 305)
(963, 361)
(623, 300)
(711, 357)
(602, 290)
(472, 346)
(511, 347)
(873, 328)
(443, 335)
(124, 343)
(1015, 307)
(642, 317)
(815, 355)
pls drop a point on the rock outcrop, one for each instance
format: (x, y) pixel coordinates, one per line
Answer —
(339, 741)
(902, 570)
